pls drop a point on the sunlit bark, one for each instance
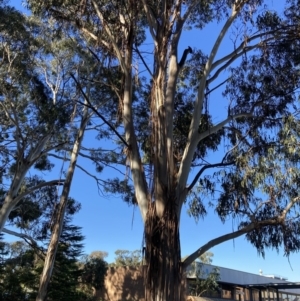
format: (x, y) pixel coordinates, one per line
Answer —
(59, 218)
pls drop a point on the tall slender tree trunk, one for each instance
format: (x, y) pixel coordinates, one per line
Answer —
(59, 218)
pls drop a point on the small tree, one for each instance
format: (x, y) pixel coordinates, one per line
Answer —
(16, 275)
(93, 273)
(66, 270)
(128, 258)
(205, 282)
(22, 264)
(206, 257)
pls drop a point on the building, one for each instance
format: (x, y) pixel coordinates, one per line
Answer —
(127, 283)
(243, 286)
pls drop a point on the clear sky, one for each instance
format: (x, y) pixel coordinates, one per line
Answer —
(109, 224)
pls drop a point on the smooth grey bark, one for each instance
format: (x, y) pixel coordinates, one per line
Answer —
(20, 235)
(193, 137)
(132, 150)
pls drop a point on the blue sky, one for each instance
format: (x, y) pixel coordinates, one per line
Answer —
(109, 224)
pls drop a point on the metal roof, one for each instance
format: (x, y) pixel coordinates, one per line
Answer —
(245, 279)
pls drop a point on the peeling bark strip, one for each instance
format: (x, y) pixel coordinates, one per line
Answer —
(163, 273)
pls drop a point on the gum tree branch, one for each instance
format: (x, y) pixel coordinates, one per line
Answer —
(41, 185)
(226, 237)
(21, 235)
(205, 167)
(193, 136)
(96, 112)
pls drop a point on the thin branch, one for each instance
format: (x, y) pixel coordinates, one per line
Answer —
(200, 172)
(189, 11)
(94, 55)
(43, 184)
(216, 87)
(99, 182)
(241, 47)
(87, 157)
(96, 112)
(141, 57)
(59, 157)
(58, 146)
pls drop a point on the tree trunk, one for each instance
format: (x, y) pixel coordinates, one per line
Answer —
(59, 218)
(163, 276)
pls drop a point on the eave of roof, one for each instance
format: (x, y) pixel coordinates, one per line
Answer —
(288, 285)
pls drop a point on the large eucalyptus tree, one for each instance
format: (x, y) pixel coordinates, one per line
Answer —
(167, 121)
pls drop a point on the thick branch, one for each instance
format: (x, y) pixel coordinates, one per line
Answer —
(193, 137)
(21, 235)
(215, 242)
(36, 152)
(16, 123)
(230, 61)
(226, 237)
(288, 207)
(151, 20)
(276, 220)
(59, 218)
(220, 125)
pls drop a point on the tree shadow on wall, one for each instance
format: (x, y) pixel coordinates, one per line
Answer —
(133, 285)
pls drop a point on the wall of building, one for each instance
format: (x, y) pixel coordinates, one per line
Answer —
(234, 276)
(123, 283)
(127, 283)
